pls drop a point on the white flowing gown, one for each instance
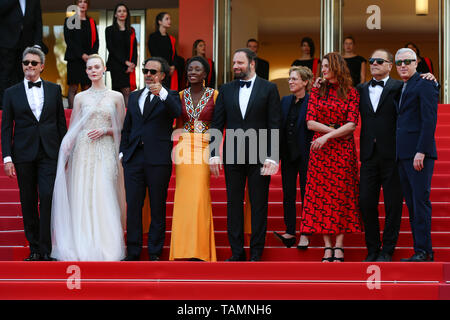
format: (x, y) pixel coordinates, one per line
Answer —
(88, 200)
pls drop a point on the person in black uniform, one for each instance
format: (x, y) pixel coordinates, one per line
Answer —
(122, 52)
(161, 44)
(307, 58)
(356, 64)
(20, 27)
(262, 66)
(81, 42)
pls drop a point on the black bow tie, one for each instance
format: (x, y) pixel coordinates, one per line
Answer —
(374, 83)
(34, 84)
(245, 83)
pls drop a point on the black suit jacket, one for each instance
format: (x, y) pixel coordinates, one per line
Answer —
(262, 68)
(118, 52)
(417, 118)
(22, 132)
(18, 30)
(379, 126)
(79, 41)
(304, 136)
(153, 128)
(263, 112)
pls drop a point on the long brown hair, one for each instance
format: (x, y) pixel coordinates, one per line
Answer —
(340, 70)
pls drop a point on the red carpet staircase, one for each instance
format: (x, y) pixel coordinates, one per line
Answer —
(284, 273)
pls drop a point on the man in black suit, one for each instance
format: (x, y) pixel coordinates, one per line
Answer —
(20, 27)
(416, 149)
(262, 66)
(377, 152)
(146, 147)
(33, 126)
(249, 107)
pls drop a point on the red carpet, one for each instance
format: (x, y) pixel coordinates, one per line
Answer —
(284, 274)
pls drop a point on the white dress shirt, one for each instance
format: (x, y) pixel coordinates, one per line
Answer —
(162, 95)
(23, 5)
(375, 93)
(244, 96)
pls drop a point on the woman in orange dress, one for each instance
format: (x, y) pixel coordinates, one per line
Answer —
(192, 223)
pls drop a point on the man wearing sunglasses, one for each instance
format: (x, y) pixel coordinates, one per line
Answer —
(33, 126)
(416, 148)
(146, 147)
(378, 156)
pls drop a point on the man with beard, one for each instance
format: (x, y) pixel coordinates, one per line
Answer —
(249, 107)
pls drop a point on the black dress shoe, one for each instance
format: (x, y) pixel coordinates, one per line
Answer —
(153, 257)
(255, 258)
(33, 257)
(46, 257)
(236, 258)
(419, 257)
(287, 242)
(371, 257)
(384, 257)
(130, 258)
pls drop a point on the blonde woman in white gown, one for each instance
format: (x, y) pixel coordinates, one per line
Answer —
(89, 200)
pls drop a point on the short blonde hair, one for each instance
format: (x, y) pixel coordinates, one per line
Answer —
(95, 56)
(305, 73)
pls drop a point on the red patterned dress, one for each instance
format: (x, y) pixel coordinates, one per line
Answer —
(332, 187)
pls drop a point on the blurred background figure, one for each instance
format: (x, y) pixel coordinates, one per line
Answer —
(355, 63)
(262, 66)
(199, 49)
(307, 57)
(424, 64)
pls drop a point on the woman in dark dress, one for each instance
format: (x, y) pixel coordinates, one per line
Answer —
(424, 64)
(307, 58)
(331, 196)
(81, 43)
(161, 44)
(356, 64)
(122, 52)
(199, 49)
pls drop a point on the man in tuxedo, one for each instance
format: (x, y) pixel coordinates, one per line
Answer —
(262, 66)
(146, 147)
(377, 152)
(416, 149)
(249, 107)
(20, 27)
(33, 126)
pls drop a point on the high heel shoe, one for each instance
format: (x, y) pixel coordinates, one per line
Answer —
(338, 259)
(287, 242)
(303, 247)
(331, 258)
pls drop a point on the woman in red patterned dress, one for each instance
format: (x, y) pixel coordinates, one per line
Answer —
(331, 196)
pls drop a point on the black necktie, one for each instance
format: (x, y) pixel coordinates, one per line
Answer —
(34, 84)
(374, 83)
(245, 83)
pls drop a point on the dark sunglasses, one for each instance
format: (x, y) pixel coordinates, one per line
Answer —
(33, 63)
(406, 61)
(377, 60)
(152, 71)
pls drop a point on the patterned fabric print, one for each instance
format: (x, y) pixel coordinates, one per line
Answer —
(194, 125)
(332, 187)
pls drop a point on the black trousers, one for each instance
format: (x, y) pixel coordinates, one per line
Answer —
(10, 69)
(138, 178)
(290, 170)
(258, 189)
(36, 180)
(376, 173)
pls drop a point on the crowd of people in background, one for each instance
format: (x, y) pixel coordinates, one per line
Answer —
(81, 186)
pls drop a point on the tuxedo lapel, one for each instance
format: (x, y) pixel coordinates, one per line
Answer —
(236, 104)
(365, 92)
(303, 111)
(46, 95)
(385, 92)
(22, 94)
(253, 94)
